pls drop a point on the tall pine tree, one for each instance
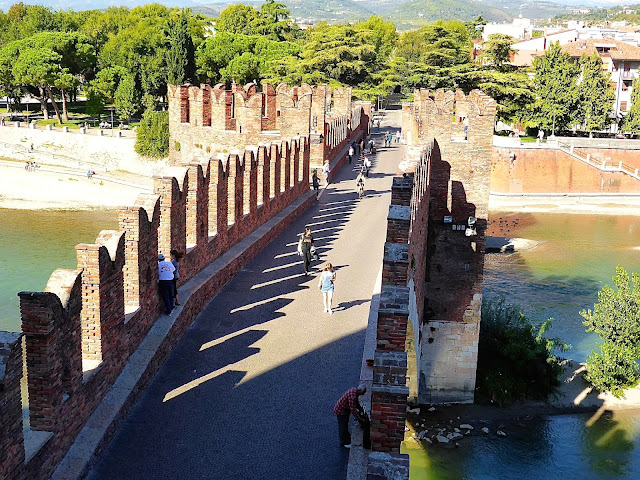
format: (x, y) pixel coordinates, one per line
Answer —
(181, 55)
(631, 121)
(596, 94)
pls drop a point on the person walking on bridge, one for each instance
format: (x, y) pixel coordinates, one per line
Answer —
(326, 283)
(349, 404)
(306, 243)
(165, 279)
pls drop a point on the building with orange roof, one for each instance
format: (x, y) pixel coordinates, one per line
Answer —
(620, 59)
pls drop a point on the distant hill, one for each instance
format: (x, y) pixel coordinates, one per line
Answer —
(330, 10)
(404, 14)
(421, 11)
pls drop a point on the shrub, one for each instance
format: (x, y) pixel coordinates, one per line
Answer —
(613, 370)
(616, 319)
(515, 361)
(153, 134)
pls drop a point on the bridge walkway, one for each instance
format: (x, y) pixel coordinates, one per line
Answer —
(248, 391)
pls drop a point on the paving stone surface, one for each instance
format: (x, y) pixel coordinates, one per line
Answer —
(249, 390)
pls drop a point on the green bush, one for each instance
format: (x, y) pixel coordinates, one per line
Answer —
(515, 361)
(616, 319)
(153, 134)
(613, 370)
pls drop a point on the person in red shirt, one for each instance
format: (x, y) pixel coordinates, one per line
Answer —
(349, 404)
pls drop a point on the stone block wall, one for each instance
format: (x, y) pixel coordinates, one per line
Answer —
(79, 333)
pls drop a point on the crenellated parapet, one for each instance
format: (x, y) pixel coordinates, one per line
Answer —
(80, 332)
(206, 119)
(430, 303)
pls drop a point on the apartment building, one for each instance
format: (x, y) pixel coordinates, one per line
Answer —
(620, 59)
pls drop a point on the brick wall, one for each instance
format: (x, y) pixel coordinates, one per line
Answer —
(541, 170)
(204, 120)
(80, 332)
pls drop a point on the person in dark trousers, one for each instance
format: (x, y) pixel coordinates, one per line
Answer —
(306, 242)
(165, 282)
(175, 261)
(346, 405)
(315, 181)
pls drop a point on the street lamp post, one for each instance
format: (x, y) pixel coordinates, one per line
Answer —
(111, 121)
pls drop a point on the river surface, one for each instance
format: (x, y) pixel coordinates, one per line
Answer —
(576, 256)
(33, 243)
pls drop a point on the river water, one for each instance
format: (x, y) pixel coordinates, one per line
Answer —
(575, 257)
(33, 243)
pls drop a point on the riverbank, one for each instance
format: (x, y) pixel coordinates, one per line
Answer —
(58, 188)
(567, 204)
(446, 424)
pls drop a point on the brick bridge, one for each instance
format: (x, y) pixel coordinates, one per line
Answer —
(94, 340)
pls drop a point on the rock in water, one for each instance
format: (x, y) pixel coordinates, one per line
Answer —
(432, 409)
(485, 430)
(466, 426)
(413, 410)
(422, 435)
(454, 436)
(501, 433)
(442, 439)
(428, 440)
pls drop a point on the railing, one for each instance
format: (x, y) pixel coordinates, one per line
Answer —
(600, 164)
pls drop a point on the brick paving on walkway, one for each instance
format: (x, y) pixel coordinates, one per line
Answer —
(248, 392)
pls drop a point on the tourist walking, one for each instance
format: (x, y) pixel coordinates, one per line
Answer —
(349, 404)
(388, 138)
(175, 261)
(304, 246)
(360, 184)
(351, 153)
(398, 136)
(367, 165)
(326, 283)
(165, 282)
(315, 181)
(326, 169)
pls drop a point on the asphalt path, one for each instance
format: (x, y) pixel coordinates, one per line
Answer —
(248, 392)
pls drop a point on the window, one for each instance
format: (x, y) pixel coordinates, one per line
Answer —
(623, 106)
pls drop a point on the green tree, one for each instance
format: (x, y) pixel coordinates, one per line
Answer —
(242, 69)
(273, 20)
(153, 134)
(616, 320)
(556, 93)
(473, 26)
(77, 59)
(40, 68)
(631, 121)
(596, 94)
(510, 88)
(95, 103)
(181, 54)
(106, 82)
(127, 97)
(497, 50)
(336, 52)
(237, 19)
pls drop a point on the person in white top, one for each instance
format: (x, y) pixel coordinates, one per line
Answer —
(367, 166)
(165, 280)
(326, 169)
